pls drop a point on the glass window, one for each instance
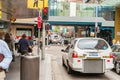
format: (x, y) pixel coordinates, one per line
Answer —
(92, 44)
(74, 43)
(116, 48)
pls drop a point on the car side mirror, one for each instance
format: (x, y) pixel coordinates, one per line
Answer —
(63, 50)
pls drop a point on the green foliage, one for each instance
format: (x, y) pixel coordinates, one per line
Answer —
(56, 29)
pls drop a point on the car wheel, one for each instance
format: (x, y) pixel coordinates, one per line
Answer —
(69, 70)
(117, 68)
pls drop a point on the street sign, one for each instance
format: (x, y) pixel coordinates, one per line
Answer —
(45, 3)
(45, 13)
(39, 22)
(37, 4)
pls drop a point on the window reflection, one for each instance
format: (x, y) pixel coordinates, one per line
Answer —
(92, 44)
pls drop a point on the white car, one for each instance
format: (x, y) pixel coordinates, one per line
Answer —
(88, 55)
(55, 39)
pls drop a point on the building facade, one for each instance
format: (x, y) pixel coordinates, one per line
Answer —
(5, 15)
(66, 8)
(23, 15)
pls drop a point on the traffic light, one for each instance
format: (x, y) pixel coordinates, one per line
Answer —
(13, 19)
(45, 13)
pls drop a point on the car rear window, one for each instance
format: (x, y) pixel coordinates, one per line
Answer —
(92, 44)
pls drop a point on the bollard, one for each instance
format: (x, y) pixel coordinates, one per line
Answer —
(29, 68)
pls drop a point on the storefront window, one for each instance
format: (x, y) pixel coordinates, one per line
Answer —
(20, 32)
(63, 8)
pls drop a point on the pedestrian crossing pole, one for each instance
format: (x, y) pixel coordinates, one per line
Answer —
(44, 19)
(43, 41)
(96, 22)
(38, 49)
(39, 26)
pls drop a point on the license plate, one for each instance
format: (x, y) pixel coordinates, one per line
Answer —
(93, 54)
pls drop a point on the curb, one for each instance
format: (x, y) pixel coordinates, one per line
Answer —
(45, 68)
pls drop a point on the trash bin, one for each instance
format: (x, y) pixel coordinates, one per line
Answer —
(29, 68)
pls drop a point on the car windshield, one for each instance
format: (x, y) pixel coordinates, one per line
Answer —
(116, 48)
(55, 36)
(92, 44)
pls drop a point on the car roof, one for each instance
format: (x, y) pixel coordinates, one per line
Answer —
(77, 39)
(88, 38)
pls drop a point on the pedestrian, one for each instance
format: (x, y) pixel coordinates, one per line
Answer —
(62, 41)
(34, 40)
(41, 44)
(23, 45)
(9, 41)
(31, 41)
(12, 38)
(5, 58)
(16, 42)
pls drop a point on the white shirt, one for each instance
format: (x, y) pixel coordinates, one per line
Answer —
(4, 49)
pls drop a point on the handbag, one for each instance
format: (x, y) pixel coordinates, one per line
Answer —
(1, 57)
(29, 50)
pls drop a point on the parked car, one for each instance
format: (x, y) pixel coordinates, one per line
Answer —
(55, 39)
(116, 59)
(88, 55)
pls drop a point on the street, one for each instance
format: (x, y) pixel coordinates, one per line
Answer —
(52, 69)
(60, 73)
(90, 28)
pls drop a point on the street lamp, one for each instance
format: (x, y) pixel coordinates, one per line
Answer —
(96, 15)
(96, 21)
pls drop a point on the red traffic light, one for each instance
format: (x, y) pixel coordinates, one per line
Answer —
(45, 13)
(45, 10)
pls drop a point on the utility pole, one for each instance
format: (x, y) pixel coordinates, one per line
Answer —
(96, 22)
(39, 26)
(44, 19)
(43, 41)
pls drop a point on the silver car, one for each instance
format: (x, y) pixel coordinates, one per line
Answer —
(116, 59)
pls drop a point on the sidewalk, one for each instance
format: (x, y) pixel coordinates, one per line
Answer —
(45, 68)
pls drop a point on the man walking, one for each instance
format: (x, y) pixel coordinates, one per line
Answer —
(24, 44)
(5, 58)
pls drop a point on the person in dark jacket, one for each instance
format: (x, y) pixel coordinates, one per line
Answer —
(31, 44)
(23, 45)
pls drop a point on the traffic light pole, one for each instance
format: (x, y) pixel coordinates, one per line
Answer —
(38, 51)
(38, 41)
(96, 22)
(43, 40)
